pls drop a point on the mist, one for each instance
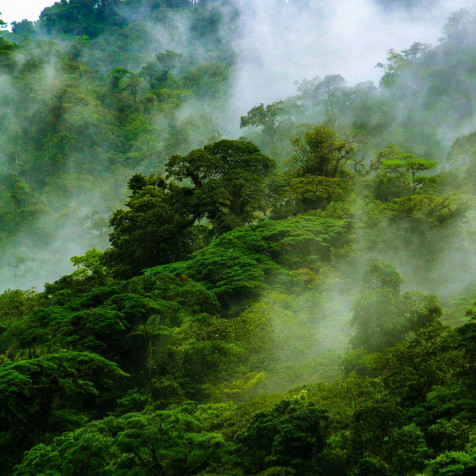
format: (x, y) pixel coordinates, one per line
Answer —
(284, 42)
(275, 45)
(301, 300)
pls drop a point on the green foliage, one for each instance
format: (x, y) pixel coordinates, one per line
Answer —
(310, 192)
(154, 230)
(291, 434)
(129, 323)
(7, 49)
(237, 264)
(399, 63)
(397, 176)
(47, 395)
(207, 80)
(383, 316)
(163, 442)
(426, 210)
(267, 117)
(80, 16)
(89, 264)
(382, 276)
(228, 179)
(159, 225)
(413, 369)
(250, 272)
(322, 152)
(81, 118)
(453, 463)
(16, 303)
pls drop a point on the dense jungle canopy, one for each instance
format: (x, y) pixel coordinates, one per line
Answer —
(287, 292)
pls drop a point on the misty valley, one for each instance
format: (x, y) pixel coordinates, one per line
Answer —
(238, 238)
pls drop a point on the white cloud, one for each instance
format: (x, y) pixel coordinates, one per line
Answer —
(17, 10)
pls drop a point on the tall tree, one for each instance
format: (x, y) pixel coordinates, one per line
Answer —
(267, 117)
(155, 229)
(228, 181)
(322, 152)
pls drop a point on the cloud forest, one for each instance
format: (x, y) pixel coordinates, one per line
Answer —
(238, 238)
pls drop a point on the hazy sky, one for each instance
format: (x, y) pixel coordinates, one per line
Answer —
(280, 45)
(17, 10)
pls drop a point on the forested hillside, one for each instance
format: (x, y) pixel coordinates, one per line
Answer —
(290, 291)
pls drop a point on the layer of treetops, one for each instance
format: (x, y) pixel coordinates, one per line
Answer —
(300, 301)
